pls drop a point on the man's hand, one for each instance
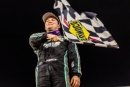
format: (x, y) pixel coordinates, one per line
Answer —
(75, 81)
(53, 38)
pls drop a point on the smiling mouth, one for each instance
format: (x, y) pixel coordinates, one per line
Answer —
(50, 24)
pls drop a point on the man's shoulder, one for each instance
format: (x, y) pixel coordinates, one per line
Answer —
(37, 34)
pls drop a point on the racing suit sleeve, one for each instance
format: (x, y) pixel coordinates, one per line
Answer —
(36, 40)
(74, 60)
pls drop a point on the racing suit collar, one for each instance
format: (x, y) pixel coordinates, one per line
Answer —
(56, 32)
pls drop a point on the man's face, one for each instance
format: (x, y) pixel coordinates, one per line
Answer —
(51, 24)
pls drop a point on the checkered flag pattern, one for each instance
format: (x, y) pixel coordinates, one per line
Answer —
(99, 35)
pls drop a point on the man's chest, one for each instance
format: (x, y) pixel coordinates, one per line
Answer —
(51, 44)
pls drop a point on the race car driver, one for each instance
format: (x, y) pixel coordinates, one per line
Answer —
(58, 60)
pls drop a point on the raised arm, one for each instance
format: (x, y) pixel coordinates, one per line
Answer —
(36, 40)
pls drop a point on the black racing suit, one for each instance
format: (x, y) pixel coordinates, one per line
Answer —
(57, 61)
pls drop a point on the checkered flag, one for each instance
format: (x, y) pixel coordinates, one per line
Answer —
(84, 28)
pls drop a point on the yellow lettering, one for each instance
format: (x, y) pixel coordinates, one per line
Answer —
(76, 29)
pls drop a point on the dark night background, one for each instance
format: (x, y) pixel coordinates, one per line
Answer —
(101, 67)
